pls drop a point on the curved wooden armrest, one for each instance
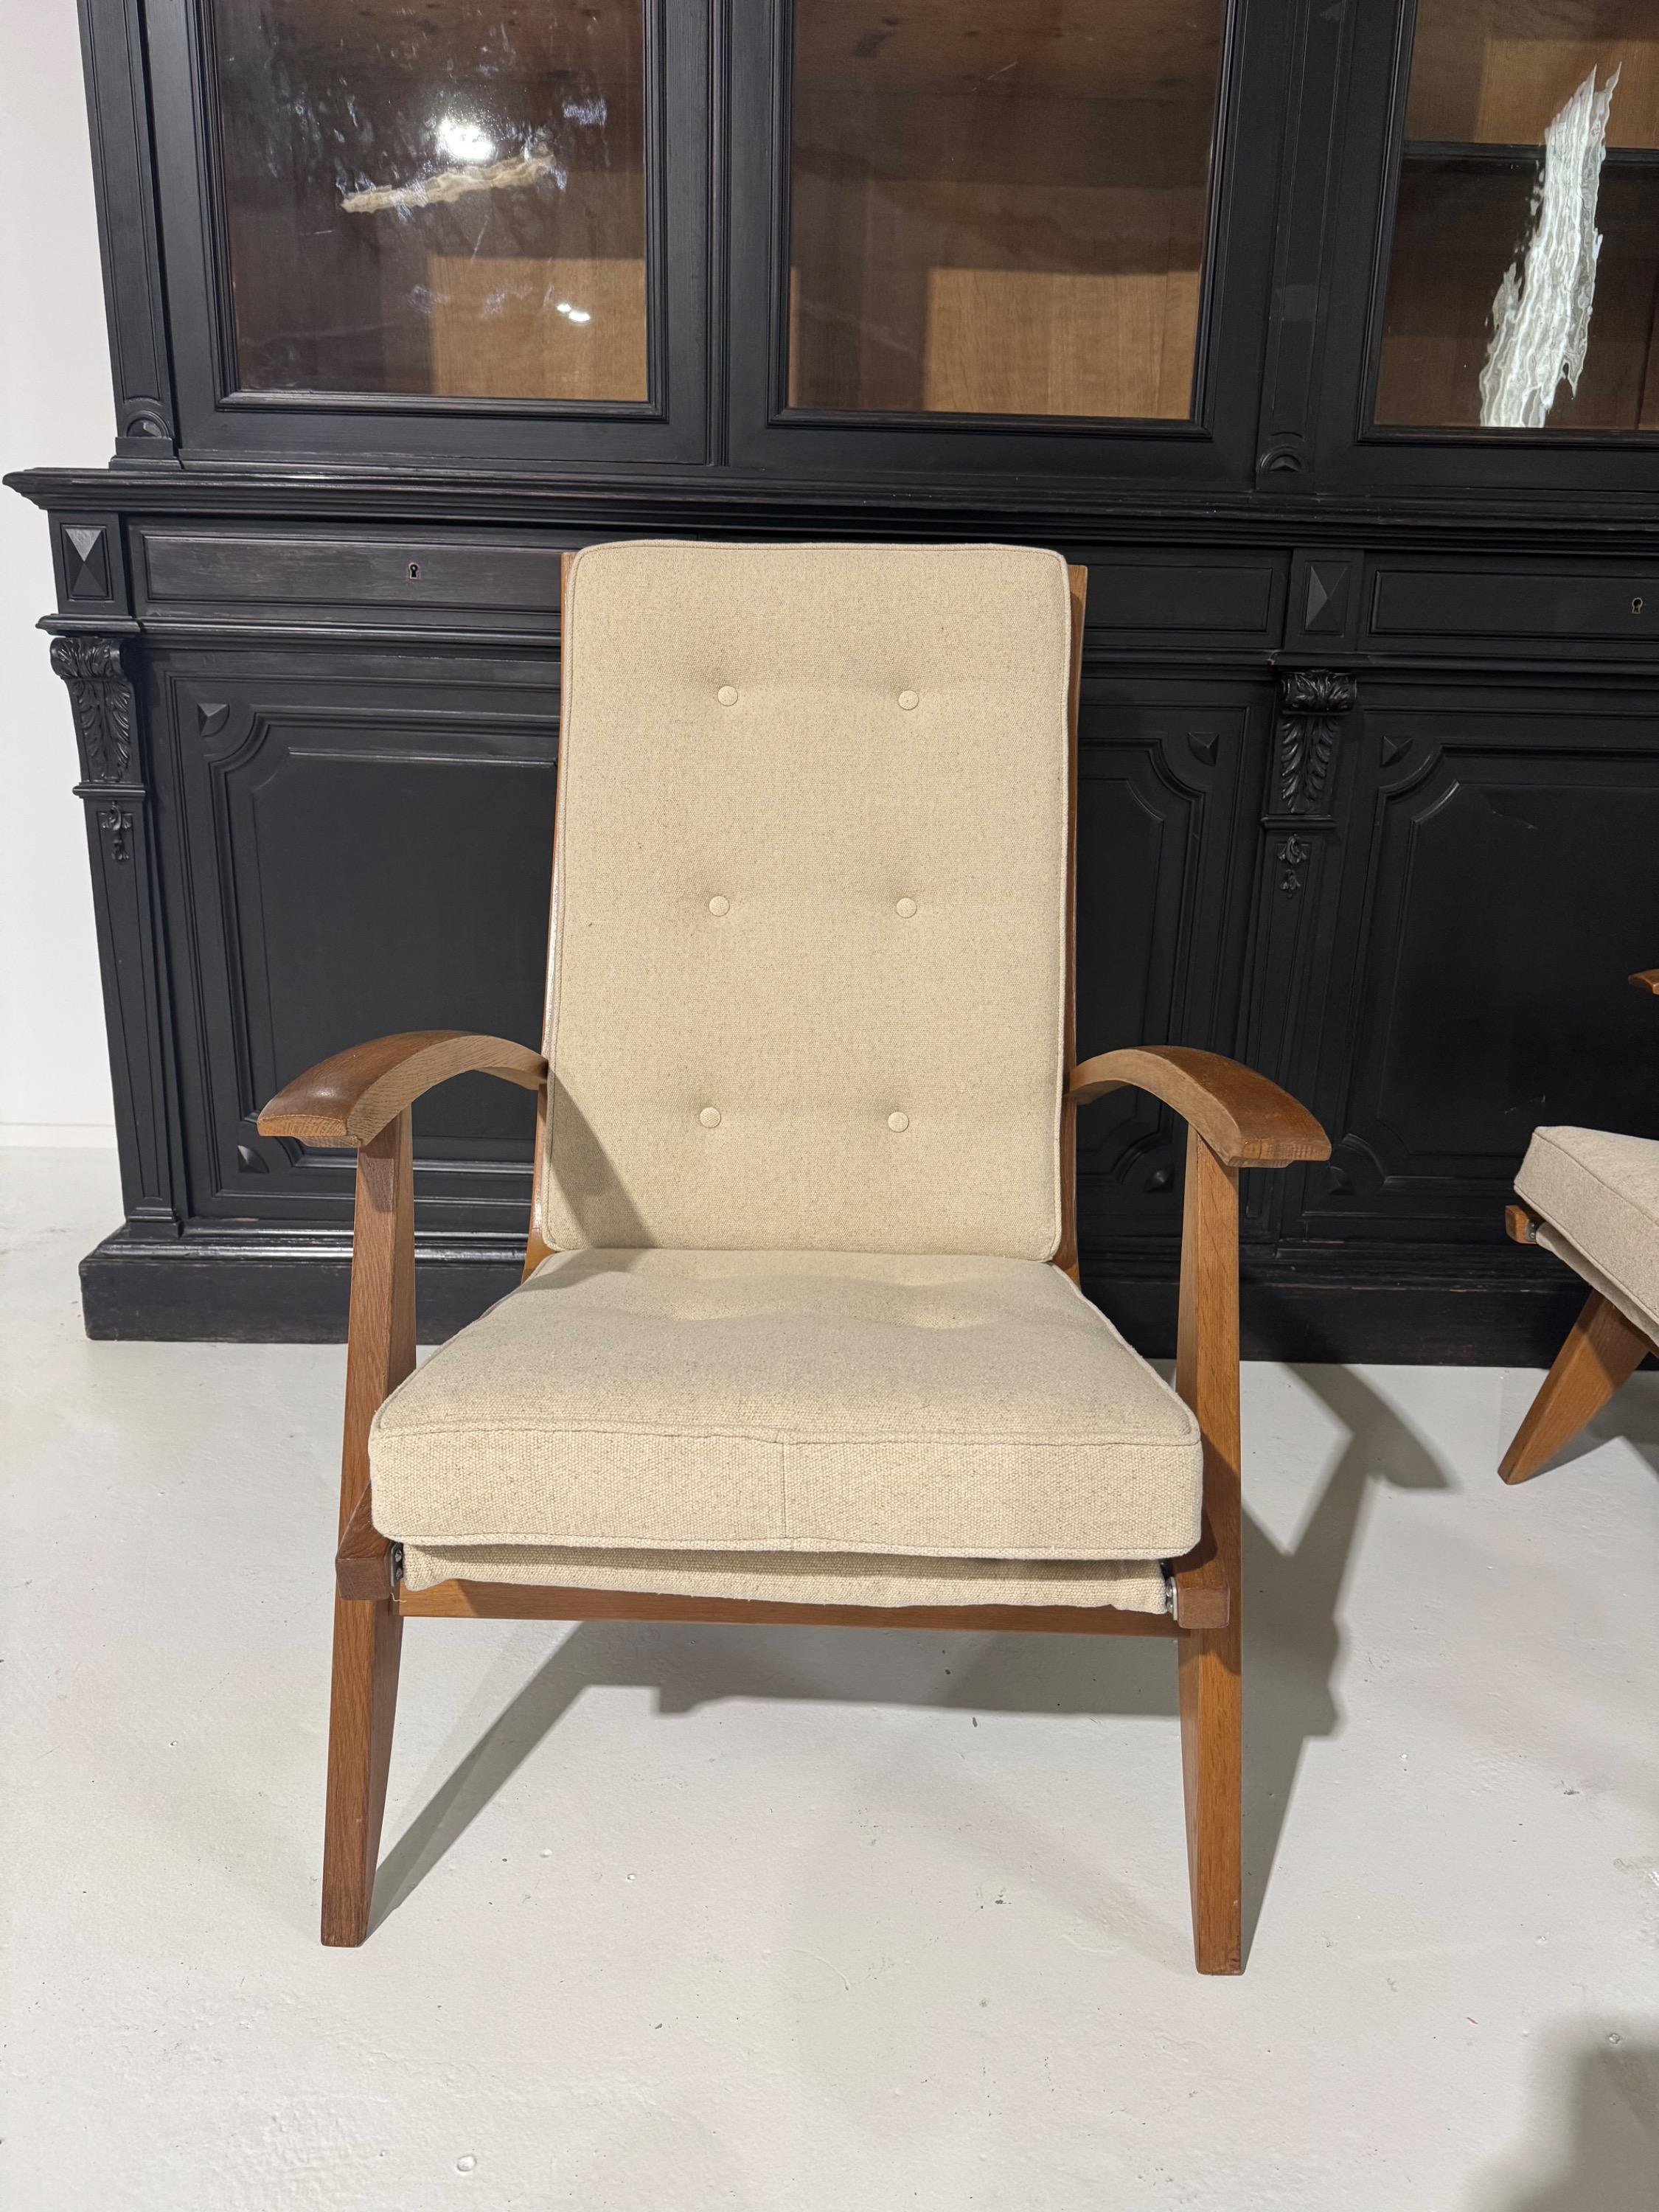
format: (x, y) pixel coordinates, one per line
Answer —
(1647, 979)
(1246, 1121)
(349, 1099)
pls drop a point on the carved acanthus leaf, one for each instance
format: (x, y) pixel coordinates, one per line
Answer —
(101, 697)
(1312, 701)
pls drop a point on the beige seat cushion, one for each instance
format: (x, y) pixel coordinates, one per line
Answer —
(1598, 1194)
(806, 983)
(801, 1578)
(791, 1402)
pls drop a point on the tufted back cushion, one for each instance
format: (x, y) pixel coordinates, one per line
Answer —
(806, 983)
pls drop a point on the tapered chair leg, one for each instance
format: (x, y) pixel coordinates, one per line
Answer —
(1206, 1376)
(1211, 1759)
(1602, 1350)
(367, 1632)
(368, 1640)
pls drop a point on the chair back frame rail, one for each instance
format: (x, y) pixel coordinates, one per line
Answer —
(1235, 1118)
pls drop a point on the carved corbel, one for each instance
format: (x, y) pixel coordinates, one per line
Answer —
(1312, 703)
(127, 899)
(100, 693)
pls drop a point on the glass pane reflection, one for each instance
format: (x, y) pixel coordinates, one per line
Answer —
(1524, 277)
(437, 199)
(999, 206)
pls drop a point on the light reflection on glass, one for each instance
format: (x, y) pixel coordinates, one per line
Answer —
(464, 141)
(1523, 283)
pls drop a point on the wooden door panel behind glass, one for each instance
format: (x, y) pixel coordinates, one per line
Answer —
(1524, 275)
(436, 200)
(999, 207)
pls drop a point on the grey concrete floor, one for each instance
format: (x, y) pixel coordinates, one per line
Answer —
(833, 1922)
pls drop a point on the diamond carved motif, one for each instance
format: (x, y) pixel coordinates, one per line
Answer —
(86, 561)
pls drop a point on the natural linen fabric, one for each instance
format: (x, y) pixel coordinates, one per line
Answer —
(801, 1578)
(1598, 1192)
(791, 1402)
(1584, 1266)
(805, 1023)
(807, 979)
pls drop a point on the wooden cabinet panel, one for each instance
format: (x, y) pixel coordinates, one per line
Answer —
(354, 846)
(1497, 890)
(345, 579)
(1532, 607)
(1168, 769)
(1141, 594)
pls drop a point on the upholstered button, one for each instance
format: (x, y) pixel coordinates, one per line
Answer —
(909, 699)
(719, 905)
(727, 695)
(710, 1117)
(897, 1121)
(905, 908)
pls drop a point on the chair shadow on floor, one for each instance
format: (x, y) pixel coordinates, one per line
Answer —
(1631, 1416)
(1611, 2096)
(1294, 1641)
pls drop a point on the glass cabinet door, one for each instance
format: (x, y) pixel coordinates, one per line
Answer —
(998, 208)
(1523, 276)
(994, 217)
(432, 207)
(445, 202)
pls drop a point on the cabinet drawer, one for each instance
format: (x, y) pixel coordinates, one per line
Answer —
(1160, 597)
(380, 579)
(1533, 609)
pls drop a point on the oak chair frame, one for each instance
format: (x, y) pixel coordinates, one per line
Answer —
(362, 1098)
(1603, 1349)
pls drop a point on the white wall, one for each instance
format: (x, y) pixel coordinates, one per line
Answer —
(55, 410)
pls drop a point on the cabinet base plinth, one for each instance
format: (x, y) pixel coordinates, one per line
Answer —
(183, 1293)
(282, 1291)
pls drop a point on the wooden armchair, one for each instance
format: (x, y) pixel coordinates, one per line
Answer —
(799, 1337)
(1592, 1197)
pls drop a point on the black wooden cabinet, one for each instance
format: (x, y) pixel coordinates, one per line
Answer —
(317, 803)
(1500, 889)
(1169, 770)
(1218, 297)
